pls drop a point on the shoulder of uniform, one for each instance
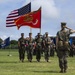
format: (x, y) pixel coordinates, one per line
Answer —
(19, 39)
(58, 32)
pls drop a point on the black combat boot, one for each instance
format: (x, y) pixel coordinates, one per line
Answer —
(38, 60)
(65, 70)
(22, 60)
(30, 60)
(61, 71)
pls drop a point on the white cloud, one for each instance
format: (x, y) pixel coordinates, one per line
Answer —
(49, 9)
(11, 37)
(3, 37)
(6, 1)
(3, 1)
(14, 37)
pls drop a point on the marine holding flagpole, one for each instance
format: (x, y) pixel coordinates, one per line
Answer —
(21, 46)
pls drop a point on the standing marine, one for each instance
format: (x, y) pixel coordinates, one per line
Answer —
(21, 46)
(47, 42)
(38, 47)
(30, 48)
(63, 46)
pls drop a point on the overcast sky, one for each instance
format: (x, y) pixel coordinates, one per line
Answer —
(53, 13)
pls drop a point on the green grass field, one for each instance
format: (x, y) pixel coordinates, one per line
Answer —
(10, 65)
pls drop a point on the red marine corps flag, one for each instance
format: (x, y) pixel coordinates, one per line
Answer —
(32, 19)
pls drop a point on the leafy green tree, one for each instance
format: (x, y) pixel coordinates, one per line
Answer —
(14, 42)
(1, 40)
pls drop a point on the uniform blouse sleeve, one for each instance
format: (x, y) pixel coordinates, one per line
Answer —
(69, 31)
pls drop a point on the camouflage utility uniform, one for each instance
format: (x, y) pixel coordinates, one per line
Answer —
(47, 48)
(38, 47)
(21, 49)
(63, 48)
(30, 49)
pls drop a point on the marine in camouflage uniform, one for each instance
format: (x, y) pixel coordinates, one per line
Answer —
(30, 48)
(21, 46)
(52, 49)
(47, 42)
(62, 45)
(38, 47)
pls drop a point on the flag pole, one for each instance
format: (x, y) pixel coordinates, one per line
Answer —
(40, 26)
(30, 30)
(30, 27)
(40, 30)
(9, 51)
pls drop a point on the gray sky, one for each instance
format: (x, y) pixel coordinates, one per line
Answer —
(53, 13)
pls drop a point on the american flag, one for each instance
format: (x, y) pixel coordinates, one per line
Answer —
(16, 14)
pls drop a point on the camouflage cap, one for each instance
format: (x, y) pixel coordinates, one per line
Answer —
(63, 23)
(30, 33)
(38, 33)
(22, 33)
(46, 33)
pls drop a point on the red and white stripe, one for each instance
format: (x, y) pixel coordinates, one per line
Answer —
(11, 17)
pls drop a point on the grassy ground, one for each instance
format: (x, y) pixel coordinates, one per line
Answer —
(10, 65)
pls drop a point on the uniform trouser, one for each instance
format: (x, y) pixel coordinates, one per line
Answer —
(52, 52)
(38, 54)
(47, 53)
(21, 53)
(30, 54)
(71, 53)
(62, 60)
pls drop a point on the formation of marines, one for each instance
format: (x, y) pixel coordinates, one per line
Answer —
(40, 44)
(45, 44)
